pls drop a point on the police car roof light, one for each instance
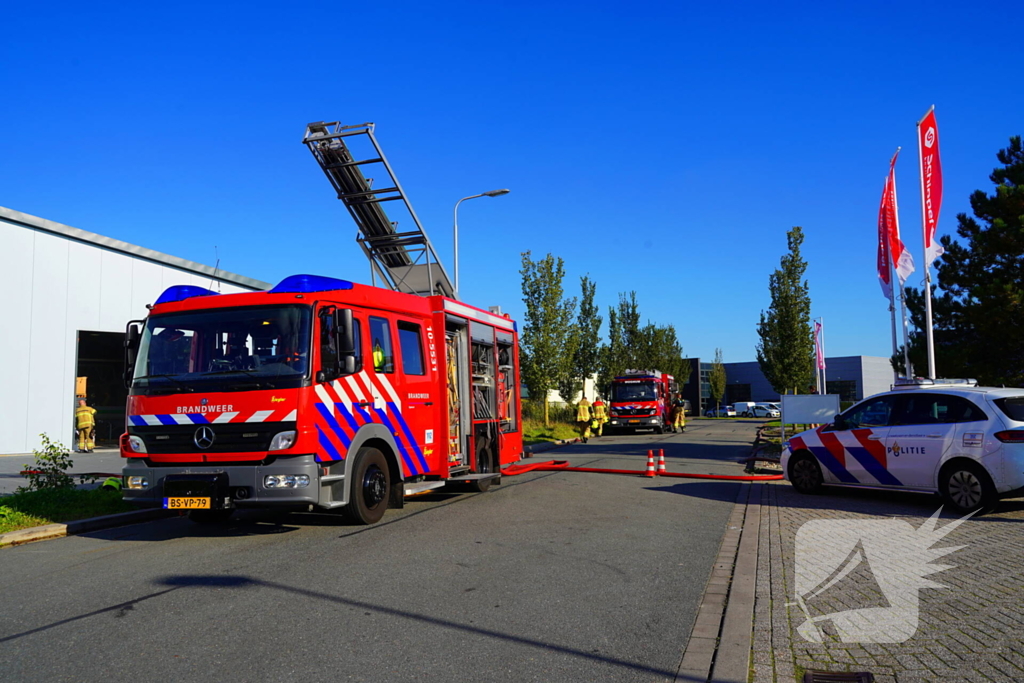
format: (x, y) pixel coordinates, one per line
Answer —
(182, 292)
(906, 383)
(309, 283)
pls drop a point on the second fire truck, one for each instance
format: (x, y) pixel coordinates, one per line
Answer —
(641, 399)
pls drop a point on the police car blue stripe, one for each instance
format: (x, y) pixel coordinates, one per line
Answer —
(325, 443)
(409, 464)
(873, 467)
(828, 460)
(408, 435)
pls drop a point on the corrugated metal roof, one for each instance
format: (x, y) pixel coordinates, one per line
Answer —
(36, 223)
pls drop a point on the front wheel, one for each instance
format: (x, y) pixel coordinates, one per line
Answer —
(966, 487)
(371, 487)
(805, 473)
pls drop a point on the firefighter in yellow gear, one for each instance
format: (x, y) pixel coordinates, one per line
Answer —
(85, 425)
(378, 356)
(583, 417)
(600, 414)
(679, 414)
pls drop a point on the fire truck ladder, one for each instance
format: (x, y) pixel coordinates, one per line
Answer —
(404, 261)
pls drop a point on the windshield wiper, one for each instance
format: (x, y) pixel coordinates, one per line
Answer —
(170, 377)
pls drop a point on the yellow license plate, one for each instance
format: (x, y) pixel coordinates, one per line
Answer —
(187, 503)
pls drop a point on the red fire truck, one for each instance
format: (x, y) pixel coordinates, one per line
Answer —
(641, 399)
(321, 393)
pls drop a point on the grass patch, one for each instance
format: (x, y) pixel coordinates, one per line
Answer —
(48, 506)
(535, 432)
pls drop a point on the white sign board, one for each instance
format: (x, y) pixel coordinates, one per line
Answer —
(809, 408)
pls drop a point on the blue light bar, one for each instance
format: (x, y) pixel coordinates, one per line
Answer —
(310, 283)
(182, 292)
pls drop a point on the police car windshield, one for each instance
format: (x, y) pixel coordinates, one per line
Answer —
(225, 349)
(633, 392)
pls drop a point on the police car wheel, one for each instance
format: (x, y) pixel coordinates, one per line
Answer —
(805, 474)
(966, 487)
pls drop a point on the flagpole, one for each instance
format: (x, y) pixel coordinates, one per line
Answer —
(892, 315)
(821, 333)
(927, 266)
(903, 294)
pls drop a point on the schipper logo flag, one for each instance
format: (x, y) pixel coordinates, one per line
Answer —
(890, 246)
(931, 184)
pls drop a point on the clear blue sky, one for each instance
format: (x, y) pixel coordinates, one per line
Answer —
(664, 148)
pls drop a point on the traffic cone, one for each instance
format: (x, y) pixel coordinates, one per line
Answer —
(650, 464)
(661, 461)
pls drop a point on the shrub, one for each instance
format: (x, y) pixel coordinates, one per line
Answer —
(50, 469)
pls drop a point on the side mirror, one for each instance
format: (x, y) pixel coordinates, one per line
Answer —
(132, 336)
(347, 344)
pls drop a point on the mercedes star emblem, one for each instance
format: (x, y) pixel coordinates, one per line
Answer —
(204, 437)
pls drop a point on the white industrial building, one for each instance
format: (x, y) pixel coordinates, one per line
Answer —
(70, 294)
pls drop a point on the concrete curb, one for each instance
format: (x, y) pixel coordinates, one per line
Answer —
(719, 644)
(80, 526)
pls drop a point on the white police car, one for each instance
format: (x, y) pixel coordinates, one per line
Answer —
(950, 437)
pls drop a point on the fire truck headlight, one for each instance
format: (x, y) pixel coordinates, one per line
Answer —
(286, 481)
(283, 441)
(137, 444)
(138, 483)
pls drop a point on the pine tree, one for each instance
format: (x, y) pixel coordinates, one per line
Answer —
(786, 341)
(978, 306)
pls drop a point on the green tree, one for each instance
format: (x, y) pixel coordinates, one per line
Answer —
(978, 306)
(620, 354)
(717, 378)
(786, 341)
(660, 350)
(587, 351)
(546, 343)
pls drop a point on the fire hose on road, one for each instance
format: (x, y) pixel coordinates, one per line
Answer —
(563, 466)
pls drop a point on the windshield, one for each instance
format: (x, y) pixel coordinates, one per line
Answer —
(633, 392)
(225, 349)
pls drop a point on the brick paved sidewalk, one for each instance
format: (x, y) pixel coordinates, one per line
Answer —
(971, 631)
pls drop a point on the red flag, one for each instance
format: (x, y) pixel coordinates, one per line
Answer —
(884, 223)
(890, 246)
(931, 183)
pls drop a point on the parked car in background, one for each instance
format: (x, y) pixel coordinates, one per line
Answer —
(762, 411)
(721, 411)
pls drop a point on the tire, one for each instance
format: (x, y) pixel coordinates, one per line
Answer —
(209, 516)
(484, 465)
(659, 430)
(746, 414)
(805, 474)
(966, 487)
(371, 487)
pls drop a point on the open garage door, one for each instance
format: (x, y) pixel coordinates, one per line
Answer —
(101, 361)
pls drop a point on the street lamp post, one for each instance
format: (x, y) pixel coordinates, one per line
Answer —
(492, 193)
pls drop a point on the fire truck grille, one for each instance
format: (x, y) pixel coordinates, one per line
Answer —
(632, 412)
(244, 437)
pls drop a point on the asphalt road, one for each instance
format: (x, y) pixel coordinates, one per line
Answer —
(107, 460)
(552, 576)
